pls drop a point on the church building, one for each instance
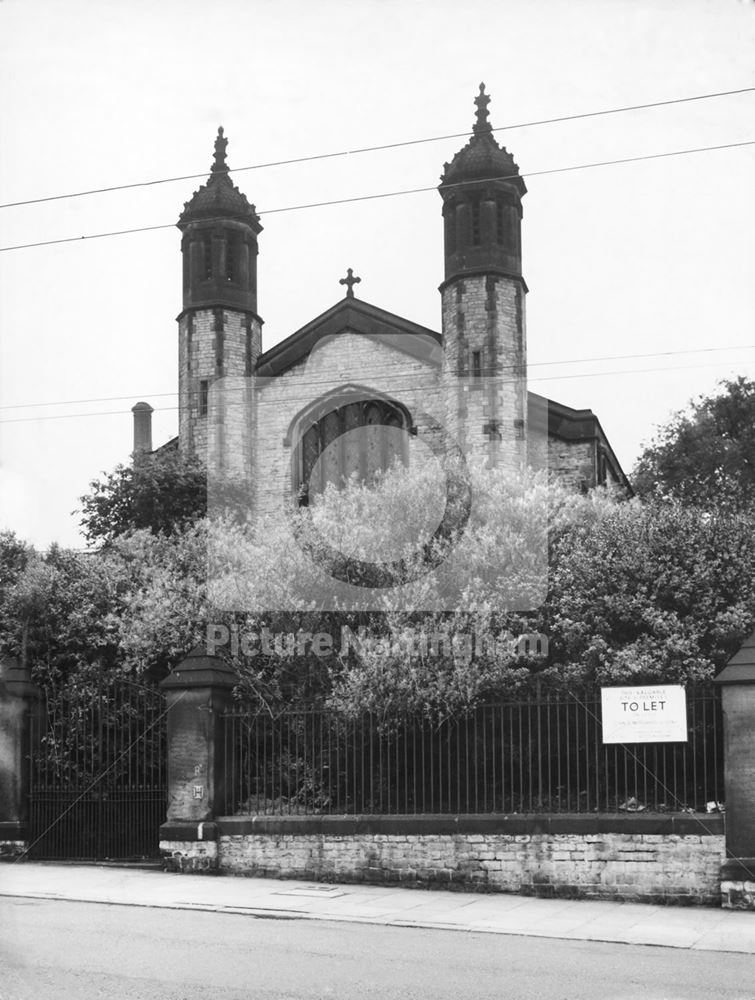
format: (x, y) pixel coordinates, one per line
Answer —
(359, 387)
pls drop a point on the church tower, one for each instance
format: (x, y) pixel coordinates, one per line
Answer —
(483, 298)
(220, 332)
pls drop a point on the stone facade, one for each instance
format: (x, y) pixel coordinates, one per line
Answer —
(337, 367)
(215, 346)
(242, 408)
(483, 323)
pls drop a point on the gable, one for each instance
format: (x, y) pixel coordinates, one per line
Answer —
(352, 316)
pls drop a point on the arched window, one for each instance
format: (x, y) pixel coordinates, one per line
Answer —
(361, 437)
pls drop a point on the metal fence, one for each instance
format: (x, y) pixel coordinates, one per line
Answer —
(534, 756)
(98, 781)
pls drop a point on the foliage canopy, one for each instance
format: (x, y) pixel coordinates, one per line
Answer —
(706, 452)
(637, 591)
(163, 492)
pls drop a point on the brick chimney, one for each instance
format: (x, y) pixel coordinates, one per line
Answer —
(142, 427)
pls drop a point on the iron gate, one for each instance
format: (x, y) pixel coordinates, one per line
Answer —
(98, 784)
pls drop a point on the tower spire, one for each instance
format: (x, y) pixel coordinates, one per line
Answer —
(221, 144)
(482, 100)
(220, 229)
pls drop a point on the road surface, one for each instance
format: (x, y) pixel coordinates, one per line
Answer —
(59, 950)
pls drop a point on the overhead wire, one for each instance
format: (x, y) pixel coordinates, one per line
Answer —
(412, 384)
(384, 146)
(394, 194)
(390, 370)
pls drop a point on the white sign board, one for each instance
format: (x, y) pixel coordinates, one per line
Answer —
(652, 714)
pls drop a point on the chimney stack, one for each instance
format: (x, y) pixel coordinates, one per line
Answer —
(142, 427)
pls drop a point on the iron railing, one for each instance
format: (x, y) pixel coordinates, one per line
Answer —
(98, 774)
(534, 756)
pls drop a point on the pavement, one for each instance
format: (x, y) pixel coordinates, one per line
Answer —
(697, 928)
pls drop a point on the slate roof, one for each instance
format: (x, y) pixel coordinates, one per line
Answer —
(482, 158)
(219, 197)
(740, 669)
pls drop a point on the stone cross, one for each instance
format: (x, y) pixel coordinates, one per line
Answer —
(349, 281)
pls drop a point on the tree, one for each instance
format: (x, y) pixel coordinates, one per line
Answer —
(14, 555)
(60, 614)
(648, 592)
(162, 492)
(132, 609)
(363, 536)
(639, 591)
(706, 452)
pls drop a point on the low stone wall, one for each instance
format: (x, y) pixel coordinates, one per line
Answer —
(12, 850)
(671, 859)
(189, 847)
(738, 884)
(13, 842)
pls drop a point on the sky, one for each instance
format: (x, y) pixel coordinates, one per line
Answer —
(645, 258)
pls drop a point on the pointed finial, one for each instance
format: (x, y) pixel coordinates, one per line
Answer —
(482, 100)
(219, 165)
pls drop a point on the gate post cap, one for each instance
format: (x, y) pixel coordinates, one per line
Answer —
(199, 669)
(741, 667)
(15, 678)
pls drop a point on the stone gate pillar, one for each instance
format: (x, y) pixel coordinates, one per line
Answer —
(737, 681)
(197, 693)
(20, 705)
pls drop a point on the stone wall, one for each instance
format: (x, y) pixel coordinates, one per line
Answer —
(641, 859)
(12, 849)
(333, 366)
(738, 884)
(196, 857)
(486, 314)
(572, 462)
(217, 344)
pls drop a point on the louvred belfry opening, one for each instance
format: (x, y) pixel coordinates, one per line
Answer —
(482, 192)
(220, 229)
